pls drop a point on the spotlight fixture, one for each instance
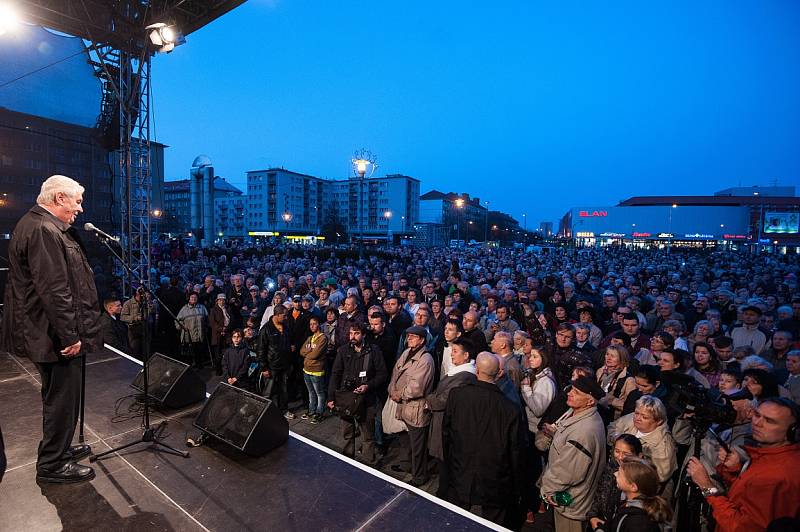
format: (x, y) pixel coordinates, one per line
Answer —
(9, 19)
(165, 38)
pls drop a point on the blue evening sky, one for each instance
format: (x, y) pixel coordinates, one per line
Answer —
(535, 106)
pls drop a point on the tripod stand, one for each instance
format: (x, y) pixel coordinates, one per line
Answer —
(150, 434)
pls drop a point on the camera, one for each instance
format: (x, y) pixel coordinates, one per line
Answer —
(348, 385)
(687, 396)
(528, 373)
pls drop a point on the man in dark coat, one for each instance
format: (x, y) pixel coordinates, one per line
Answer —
(461, 373)
(52, 317)
(482, 442)
(473, 334)
(114, 330)
(274, 348)
(398, 319)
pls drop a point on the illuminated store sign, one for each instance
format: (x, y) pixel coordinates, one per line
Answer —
(613, 235)
(584, 234)
(700, 236)
(666, 235)
(734, 237)
(642, 235)
(590, 214)
(263, 233)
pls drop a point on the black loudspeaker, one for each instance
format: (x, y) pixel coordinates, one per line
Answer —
(171, 383)
(249, 422)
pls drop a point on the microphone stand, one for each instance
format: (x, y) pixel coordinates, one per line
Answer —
(150, 434)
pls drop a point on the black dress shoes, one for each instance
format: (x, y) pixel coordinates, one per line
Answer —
(79, 451)
(70, 472)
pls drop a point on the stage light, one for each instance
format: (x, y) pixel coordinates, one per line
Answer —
(165, 38)
(9, 18)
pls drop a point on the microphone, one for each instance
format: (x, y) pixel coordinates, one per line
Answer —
(88, 226)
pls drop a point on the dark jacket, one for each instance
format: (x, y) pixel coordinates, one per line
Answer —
(387, 345)
(216, 320)
(607, 495)
(51, 300)
(236, 363)
(478, 341)
(343, 326)
(481, 438)
(632, 518)
(349, 364)
(274, 348)
(437, 402)
(114, 332)
(400, 322)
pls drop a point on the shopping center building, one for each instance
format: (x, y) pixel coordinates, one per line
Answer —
(738, 218)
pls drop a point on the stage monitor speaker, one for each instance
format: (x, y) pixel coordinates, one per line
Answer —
(171, 383)
(249, 422)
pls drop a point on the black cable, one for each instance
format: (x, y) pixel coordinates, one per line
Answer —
(40, 69)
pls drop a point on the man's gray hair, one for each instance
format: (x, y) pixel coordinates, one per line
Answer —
(55, 184)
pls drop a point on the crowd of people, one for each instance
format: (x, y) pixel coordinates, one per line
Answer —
(558, 391)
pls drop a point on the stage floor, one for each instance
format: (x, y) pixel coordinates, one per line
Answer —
(300, 486)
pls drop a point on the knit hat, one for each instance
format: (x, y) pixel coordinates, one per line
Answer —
(589, 385)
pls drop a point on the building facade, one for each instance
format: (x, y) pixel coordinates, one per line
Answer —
(753, 217)
(463, 216)
(230, 209)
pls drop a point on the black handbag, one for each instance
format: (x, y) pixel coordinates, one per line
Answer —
(350, 404)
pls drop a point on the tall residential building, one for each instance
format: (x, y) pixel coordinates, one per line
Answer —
(291, 203)
(463, 216)
(230, 209)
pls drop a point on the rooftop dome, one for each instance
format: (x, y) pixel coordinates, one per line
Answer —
(201, 161)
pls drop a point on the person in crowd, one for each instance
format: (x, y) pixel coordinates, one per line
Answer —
(219, 320)
(616, 380)
(565, 356)
(792, 383)
(274, 350)
(538, 389)
(586, 316)
(723, 345)
(707, 363)
(648, 382)
(675, 328)
(236, 363)
(769, 488)
(481, 437)
(776, 355)
(503, 322)
(473, 334)
(649, 423)
(510, 376)
(677, 360)
(730, 381)
(114, 330)
(643, 510)
(399, 320)
(460, 372)
(608, 495)
(576, 457)
(701, 333)
(191, 322)
(412, 305)
(441, 352)
(760, 383)
(350, 315)
(313, 352)
(411, 382)
(748, 332)
(133, 315)
(359, 369)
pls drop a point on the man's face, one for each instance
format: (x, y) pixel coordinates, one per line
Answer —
(780, 341)
(193, 299)
(630, 327)
(376, 285)
(68, 207)
(376, 325)
(450, 332)
(391, 306)
(237, 338)
(577, 399)
(413, 341)
(237, 281)
(609, 301)
(771, 423)
(421, 317)
(665, 310)
(564, 338)
(582, 335)
(458, 356)
(750, 317)
(666, 362)
(724, 353)
(502, 314)
(469, 321)
(114, 308)
(767, 321)
(793, 364)
(355, 336)
(349, 305)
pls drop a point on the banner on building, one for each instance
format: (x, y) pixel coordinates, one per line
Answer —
(781, 222)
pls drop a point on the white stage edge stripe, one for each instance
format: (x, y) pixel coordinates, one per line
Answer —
(374, 472)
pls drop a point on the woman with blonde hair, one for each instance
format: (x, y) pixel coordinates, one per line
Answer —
(616, 380)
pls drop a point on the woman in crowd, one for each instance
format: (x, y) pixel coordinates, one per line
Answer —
(676, 330)
(412, 305)
(607, 496)
(313, 352)
(220, 321)
(760, 383)
(701, 333)
(643, 510)
(615, 379)
(649, 423)
(707, 363)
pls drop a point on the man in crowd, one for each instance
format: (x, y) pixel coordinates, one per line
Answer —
(748, 332)
(358, 368)
(502, 323)
(51, 315)
(482, 443)
(577, 456)
(114, 330)
(274, 350)
(769, 488)
(399, 319)
(135, 312)
(473, 334)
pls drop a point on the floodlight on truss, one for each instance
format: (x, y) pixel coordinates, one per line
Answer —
(164, 37)
(9, 18)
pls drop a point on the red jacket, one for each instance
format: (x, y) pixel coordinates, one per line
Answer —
(768, 489)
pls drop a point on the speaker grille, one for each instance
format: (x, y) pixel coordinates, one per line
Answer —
(162, 372)
(231, 414)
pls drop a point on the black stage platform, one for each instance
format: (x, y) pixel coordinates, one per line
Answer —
(300, 486)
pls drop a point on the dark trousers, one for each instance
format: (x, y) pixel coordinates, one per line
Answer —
(366, 426)
(135, 345)
(280, 389)
(61, 401)
(415, 446)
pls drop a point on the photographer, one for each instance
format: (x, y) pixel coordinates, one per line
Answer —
(768, 487)
(358, 371)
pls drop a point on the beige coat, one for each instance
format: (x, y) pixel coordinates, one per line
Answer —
(629, 384)
(658, 446)
(412, 379)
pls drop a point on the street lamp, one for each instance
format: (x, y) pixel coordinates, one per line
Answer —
(760, 221)
(525, 225)
(460, 206)
(388, 216)
(669, 241)
(363, 161)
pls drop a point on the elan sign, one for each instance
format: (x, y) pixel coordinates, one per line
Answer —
(592, 214)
